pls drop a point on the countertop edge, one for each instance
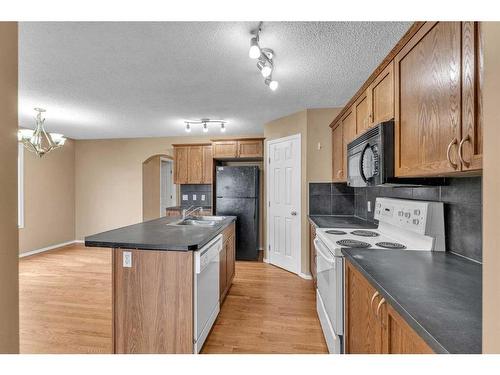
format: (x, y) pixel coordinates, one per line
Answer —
(412, 322)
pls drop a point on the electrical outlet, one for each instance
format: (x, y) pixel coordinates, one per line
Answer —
(369, 206)
(194, 197)
(203, 197)
(184, 197)
(127, 259)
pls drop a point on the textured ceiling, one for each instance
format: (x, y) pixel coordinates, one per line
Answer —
(122, 79)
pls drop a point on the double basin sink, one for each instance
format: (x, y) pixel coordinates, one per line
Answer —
(202, 221)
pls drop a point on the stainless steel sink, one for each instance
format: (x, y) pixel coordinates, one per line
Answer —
(202, 221)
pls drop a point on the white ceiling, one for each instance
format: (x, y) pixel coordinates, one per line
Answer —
(142, 79)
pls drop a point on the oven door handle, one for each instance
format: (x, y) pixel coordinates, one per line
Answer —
(361, 173)
(323, 252)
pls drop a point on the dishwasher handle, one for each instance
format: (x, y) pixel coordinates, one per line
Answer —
(207, 253)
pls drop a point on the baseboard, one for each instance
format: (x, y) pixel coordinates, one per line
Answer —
(265, 260)
(48, 248)
(306, 276)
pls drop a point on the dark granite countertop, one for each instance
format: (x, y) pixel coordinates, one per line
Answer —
(158, 235)
(438, 294)
(340, 221)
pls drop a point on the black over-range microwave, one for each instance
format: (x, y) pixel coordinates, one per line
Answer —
(370, 157)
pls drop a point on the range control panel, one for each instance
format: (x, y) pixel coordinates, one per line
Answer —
(407, 214)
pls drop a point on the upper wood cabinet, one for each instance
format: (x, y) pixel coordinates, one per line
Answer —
(372, 326)
(437, 129)
(361, 115)
(193, 164)
(337, 154)
(381, 96)
(238, 148)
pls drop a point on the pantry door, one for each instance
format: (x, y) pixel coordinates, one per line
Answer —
(284, 203)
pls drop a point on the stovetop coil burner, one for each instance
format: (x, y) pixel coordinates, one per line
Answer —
(335, 231)
(353, 243)
(391, 245)
(365, 233)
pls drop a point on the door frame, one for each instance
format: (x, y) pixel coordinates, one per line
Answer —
(269, 143)
(170, 160)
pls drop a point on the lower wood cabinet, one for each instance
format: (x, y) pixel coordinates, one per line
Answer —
(227, 261)
(372, 326)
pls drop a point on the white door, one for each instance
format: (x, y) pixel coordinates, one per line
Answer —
(167, 187)
(284, 210)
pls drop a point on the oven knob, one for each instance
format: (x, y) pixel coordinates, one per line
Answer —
(415, 221)
(407, 215)
(416, 212)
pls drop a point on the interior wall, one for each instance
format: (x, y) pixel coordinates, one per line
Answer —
(49, 199)
(108, 179)
(9, 261)
(491, 181)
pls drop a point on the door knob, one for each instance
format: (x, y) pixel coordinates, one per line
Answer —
(293, 213)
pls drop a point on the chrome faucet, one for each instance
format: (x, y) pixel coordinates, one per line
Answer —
(190, 210)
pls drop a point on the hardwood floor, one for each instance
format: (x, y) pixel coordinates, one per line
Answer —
(65, 307)
(65, 301)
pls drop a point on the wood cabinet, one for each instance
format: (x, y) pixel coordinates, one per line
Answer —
(337, 154)
(372, 326)
(348, 134)
(248, 148)
(227, 261)
(381, 97)
(437, 129)
(361, 114)
(312, 253)
(193, 164)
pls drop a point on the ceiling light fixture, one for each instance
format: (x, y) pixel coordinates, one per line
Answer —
(265, 58)
(204, 122)
(38, 140)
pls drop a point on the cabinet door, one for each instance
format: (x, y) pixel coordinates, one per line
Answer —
(250, 149)
(348, 134)
(181, 165)
(207, 165)
(337, 154)
(363, 327)
(225, 149)
(230, 258)
(223, 272)
(362, 114)
(195, 165)
(381, 96)
(471, 145)
(428, 101)
(399, 337)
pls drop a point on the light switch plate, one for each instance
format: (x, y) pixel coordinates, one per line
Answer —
(203, 197)
(127, 259)
(184, 197)
(369, 206)
(194, 197)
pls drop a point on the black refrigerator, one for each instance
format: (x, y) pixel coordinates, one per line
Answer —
(237, 190)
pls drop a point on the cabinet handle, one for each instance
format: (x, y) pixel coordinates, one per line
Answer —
(448, 150)
(373, 299)
(460, 150)
(382, 301)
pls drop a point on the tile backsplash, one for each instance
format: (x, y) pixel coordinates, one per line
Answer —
(196, 195)
(462, 198)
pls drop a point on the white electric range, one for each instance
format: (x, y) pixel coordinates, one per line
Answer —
(403, 225)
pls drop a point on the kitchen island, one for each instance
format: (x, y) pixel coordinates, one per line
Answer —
(154, 281)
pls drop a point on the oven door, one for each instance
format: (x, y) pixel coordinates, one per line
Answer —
(330, 285)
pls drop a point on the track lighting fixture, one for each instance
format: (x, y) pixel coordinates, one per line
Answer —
(265, 58)
(204, 122)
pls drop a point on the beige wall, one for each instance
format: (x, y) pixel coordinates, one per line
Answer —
(9, 285)
(108, 180)
(313, 126)
(49, 199)
(491, 182)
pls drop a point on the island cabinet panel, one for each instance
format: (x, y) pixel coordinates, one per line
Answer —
(225, 149)
(153, 302)
(195, 165)
(428, 111)
(381, 97)
(181, 162)
(227, 261)
(372, 325)
(337, 154)
(207, 165)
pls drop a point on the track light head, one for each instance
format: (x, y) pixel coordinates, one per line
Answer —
(273, 85)
(254, 51)
(265, 66)
(222, 127)
(205, 127)
(188, 127)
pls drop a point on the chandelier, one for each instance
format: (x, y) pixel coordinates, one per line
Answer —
(39, 141)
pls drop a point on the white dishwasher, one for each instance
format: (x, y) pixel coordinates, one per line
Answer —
(206, 290)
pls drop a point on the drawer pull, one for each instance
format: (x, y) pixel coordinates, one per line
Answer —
(373, 299)
(382, 301)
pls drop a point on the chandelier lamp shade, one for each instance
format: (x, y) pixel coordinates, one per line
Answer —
(205, 122)
(38, 140)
